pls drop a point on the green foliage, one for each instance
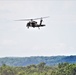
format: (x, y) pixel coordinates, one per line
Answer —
(60, 65)
(40, 69)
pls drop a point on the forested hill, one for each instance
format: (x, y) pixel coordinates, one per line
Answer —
(24, 61)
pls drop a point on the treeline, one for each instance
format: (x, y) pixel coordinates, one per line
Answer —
(39, 69)
(49, 60)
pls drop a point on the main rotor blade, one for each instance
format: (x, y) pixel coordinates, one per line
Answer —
(31, 19)
(41, 18)
(23, 20)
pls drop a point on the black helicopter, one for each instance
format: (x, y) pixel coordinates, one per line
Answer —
(33, 23)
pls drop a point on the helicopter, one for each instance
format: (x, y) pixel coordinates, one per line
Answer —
(33, 23)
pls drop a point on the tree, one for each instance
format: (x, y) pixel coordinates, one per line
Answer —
(41, 66)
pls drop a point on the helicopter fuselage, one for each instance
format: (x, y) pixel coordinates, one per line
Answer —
(34, 24)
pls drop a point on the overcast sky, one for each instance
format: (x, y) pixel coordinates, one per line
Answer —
(57, 38)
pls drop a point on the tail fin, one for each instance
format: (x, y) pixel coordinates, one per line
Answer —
(41, 21)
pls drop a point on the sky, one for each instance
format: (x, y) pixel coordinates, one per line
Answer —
(58, 37)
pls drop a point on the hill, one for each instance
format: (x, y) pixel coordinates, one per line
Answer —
(24, 61)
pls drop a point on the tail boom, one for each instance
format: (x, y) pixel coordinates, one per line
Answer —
(41, 25)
